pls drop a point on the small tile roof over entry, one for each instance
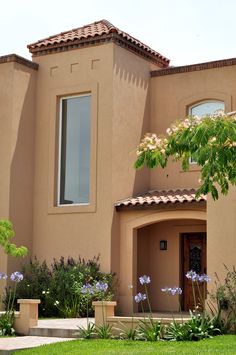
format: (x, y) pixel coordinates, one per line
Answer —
(90, 35)
(161, 197)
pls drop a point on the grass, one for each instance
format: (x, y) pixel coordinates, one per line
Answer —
(223, 344)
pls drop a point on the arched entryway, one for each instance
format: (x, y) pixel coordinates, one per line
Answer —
(141, 233)
(166, 251)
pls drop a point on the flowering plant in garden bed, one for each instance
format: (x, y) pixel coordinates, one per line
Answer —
(7, 319)
(196, 279)
(6, 234)
(148, 329)
(224, 301)
(59, 286)
(200, 325)
(104, 330)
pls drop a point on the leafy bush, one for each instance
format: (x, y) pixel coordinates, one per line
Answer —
(34, 285)
(198, 327)
(149, 329)
(59, 287)
(224, 299)
(6, 324)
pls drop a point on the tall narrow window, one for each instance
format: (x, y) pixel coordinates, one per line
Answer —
(74, 150)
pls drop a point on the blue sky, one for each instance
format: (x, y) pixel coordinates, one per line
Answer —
(185, 31)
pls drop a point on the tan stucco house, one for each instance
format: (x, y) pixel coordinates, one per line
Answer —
(70, 122)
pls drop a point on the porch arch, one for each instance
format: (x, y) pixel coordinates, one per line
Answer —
(130, 222)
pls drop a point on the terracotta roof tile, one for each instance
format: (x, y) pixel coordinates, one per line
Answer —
(91, 31)
(164, 196)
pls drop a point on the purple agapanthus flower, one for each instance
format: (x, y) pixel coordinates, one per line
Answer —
(176, 291)
(101, 286)
(140, 297)
(3, 276)
(87, 289)
(172, 290)
(144, 279)
(192, 275)
(204, 278)
(16, 276)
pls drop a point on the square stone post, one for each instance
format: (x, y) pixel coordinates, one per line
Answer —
(103, 310)
(28, 316)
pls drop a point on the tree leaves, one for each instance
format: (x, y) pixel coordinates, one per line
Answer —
(6, 233)
(210, 141)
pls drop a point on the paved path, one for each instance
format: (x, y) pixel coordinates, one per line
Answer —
(8, 345)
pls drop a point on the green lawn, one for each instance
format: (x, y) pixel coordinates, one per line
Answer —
(224, 344)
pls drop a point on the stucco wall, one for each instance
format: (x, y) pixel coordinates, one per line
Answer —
(171, 95)
(130, 120)
(17, 116)
(120, 81)
(70, 231)
(221, 232)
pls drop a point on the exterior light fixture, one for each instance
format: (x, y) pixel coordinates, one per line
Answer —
(163, 244)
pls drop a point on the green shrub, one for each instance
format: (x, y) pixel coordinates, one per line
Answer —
(58, 287)
(35, 284)
(198, 327)
(224, 301)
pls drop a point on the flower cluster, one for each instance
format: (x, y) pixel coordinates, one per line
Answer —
(87, 289)
(16, 276)
(3, 275)
(140, 297)
(172, 290)
(192, 275)
(101, 286)
(144, 279)
(151, 142)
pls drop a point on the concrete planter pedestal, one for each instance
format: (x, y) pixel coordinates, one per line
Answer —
(103, 310)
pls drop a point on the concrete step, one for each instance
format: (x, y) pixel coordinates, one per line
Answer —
(53, 332)
(60, 328)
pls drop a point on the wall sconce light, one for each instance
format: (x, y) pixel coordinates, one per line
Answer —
(163, 244)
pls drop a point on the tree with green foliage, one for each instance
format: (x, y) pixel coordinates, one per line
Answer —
(210, 141)
(6, 234)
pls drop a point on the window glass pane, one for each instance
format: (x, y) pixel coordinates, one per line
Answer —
(75, 150)
(203, 109)
(207, 108)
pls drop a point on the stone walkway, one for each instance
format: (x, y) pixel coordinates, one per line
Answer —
(9, 345)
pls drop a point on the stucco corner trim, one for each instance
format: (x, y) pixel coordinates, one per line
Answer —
(14, 58)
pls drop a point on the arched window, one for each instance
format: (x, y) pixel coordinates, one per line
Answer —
(208, 107)
(204, 108)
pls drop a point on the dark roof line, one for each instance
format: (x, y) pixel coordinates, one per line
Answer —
(18, 59)
(194, 67)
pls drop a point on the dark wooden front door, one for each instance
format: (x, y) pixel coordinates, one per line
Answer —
(194, 258)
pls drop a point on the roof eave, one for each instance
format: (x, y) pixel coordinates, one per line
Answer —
(97, 40)
(186, 205)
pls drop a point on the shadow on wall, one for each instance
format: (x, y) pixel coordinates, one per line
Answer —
(22, 159)
(130, 122)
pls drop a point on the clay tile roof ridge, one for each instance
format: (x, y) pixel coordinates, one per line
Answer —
(98, 28)
(108, 24)
(162, 196)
